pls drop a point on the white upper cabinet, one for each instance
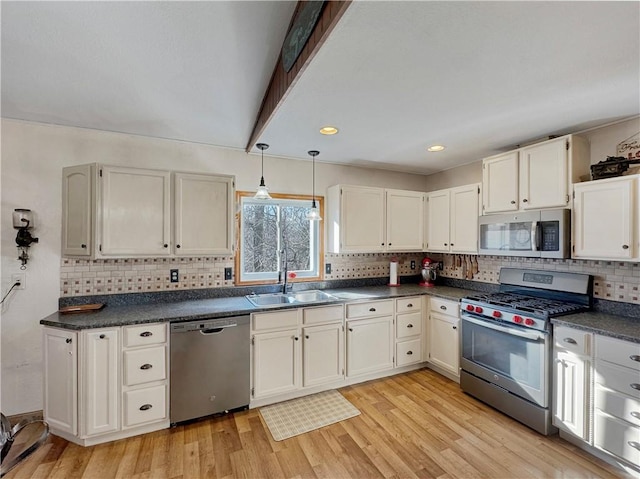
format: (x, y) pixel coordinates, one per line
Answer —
(452, 220)
(203, 224)
(605, 219)
(534, 177)
(368, 219)
(135, 212)
(121, 212)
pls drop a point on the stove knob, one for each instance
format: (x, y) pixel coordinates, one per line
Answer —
(478, 309)
(496, 314)
(529, 322)
(517, 319)
(470, 307)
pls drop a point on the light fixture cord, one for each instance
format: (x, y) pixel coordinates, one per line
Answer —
(313, 179)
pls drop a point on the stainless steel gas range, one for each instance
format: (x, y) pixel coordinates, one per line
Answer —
(507, 338)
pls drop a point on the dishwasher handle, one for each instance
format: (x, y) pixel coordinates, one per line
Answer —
(211, 331)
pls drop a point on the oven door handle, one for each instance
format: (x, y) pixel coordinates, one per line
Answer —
(513, 332)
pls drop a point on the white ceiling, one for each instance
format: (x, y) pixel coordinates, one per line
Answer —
(395, 77)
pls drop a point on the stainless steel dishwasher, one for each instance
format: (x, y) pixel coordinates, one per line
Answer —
(209, 367)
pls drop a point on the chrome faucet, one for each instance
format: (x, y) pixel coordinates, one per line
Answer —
(284, 267)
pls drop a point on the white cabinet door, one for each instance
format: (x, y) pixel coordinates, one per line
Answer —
(77, 207)
(405, 216)
(135, 212)
(276, 362)
(464, 219)
(323, 354)
(444, 346)
(362, 222)
(369, 345)
(500, 183)
(203, 214)
(603, 219)
(570, 404)
(438, 216)
(100, 381)
(544, 180)
(60, 348)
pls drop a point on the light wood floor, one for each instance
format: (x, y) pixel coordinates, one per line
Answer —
(412, 425)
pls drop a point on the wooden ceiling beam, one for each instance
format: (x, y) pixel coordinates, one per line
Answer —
(281, 81)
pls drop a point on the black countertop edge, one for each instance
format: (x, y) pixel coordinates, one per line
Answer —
(156, 297)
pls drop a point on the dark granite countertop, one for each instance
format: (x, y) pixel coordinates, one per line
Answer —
(124, 315)
(616, 326)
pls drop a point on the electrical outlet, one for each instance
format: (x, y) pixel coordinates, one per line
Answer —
(19, 278)
(327, 268)
(174, 278)
(413, 264)
(228, 274)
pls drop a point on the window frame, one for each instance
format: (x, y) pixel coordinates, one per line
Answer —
(278, 196)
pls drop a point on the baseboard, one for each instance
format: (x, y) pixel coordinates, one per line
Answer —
(29, 416)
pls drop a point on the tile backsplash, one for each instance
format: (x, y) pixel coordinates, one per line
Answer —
(613, 280)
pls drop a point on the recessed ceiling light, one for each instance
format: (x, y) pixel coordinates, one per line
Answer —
(435, 148)
(328, 130)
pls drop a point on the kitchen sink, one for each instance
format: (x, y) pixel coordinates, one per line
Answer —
(277, 299)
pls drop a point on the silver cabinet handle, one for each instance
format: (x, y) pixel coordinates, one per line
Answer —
(635, 357)
(145, 407)
(146, 366)
(570, 341)
(146, 334)
(635, 386)
(409, 325)
(634, 444)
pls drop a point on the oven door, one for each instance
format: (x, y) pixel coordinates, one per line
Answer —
(515, 359)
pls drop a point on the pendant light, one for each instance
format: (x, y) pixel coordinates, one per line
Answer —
(262, 193)
(314, 213)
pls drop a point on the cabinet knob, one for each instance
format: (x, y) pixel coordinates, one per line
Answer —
(306, 336)
(145, 407)
(635, 386)
(634, 357)
(102, 336)
(146, 366)
(372, 309)
(455, 327)
(389, 244)
(524, 200)
(446, 244)
(351, 329)
(409, 305)
(177, 246)
(409, 353)
(83, 246)
(443, 307)
(165, 245)
(570, 341)
(296, 338)
(452, 244)
(68, 340)
(513, 202)
(409, 325)
(625, 246)
(146, 334)
(381, 244)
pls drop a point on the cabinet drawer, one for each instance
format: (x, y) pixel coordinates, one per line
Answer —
(573, 340)
(408, 352)
(325, 314)
(444, 306)
(408, 324)
(369, 309)
(617, 437)
(141, 335)
(624, 380)
(617, 404)
(408, 305)
(275, 320)
(624, 353)
(145, 405)
(144, 365)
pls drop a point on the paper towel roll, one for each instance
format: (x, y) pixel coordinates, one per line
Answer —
(393, 273)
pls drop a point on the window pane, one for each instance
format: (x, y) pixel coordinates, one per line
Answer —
(296, 237)
(260, 237)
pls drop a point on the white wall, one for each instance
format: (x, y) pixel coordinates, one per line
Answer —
(603, 143)
(32, 159)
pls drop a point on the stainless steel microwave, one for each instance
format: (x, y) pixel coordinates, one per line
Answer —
(535, 233)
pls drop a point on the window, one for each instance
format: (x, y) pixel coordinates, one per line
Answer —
(272, 231)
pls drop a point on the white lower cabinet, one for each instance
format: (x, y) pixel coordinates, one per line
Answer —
(444, 335)
(408, 332)
(369, 345)
(296, 348)
(572, 359)
(93, 382)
